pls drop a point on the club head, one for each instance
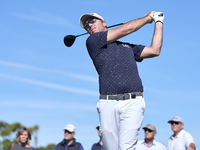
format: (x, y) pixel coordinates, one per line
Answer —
(69, 40)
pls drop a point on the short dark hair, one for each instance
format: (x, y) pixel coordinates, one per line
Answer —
(20, 131)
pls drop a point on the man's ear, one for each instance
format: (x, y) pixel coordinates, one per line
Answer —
(182, 125)
(155, 133)
(104, 23)
(73, 134)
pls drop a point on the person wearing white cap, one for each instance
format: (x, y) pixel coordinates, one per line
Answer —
(121, 104)
(181, 139)
(69, 142)
(149, 142)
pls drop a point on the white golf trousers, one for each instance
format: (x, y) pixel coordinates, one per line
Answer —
(120, 122)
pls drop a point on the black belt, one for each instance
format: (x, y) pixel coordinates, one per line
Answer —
(121, 96)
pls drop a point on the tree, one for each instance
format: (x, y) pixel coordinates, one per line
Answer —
(6, 144)
(8, 132)
(35, 129)
(3, 133)
(8, 135)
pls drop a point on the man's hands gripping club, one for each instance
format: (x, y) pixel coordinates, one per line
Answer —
(158, 17)
(155, 16)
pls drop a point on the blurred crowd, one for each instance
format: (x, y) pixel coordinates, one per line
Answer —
(179, 140)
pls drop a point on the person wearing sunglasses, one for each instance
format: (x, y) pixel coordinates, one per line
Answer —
(149, 143)
(121, 104)
(69, 142)
(99, 145)
(181, 139)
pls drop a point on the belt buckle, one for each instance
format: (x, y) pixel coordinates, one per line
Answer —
(133, 95)
(119, 97)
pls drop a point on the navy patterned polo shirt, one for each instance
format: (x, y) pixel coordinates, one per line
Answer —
(116, 64)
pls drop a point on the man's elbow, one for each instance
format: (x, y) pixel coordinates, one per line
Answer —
(156, 54)
(192, 145)
(156, 51)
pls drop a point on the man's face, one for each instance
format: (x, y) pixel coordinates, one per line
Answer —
(176, 126)
(68, 135)
(149, 134)
(99, 133)
(93, 25)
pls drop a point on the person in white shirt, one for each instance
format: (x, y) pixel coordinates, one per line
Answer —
(181, 139)
(149, 143)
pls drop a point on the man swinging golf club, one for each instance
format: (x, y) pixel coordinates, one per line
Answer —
(121, 104)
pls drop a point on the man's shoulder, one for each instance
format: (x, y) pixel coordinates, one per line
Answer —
(139, 142)
(96, 144)
(158, 144)
(184, 134)
(78, 143)
(61, 143)
(96, 36)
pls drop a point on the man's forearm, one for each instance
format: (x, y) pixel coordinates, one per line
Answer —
(192, 145)
(128, 27)
(136, 24)
(157, 37)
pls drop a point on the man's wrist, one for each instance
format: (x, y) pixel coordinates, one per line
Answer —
(150, 19)
(159, 21)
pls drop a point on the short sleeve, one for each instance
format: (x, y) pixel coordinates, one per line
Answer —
(188, 139)
(137, 49)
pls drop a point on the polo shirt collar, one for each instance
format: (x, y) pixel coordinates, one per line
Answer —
(178, 136)
(146, 144)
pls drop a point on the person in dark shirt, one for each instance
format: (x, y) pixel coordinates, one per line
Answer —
(69, 142)
(99, 145)
(121, 104)
(23, 137)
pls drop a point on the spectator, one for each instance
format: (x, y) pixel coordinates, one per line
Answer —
(99, 145)
(149, 142)
(23, 137)
(180, 139)
(69, 142)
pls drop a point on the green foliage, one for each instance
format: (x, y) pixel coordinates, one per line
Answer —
(14, 127)
(3, 125)
(7, 130)
(4, 129)
(6, 143)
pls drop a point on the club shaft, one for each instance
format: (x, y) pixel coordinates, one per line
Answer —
(107, 28)
(115, 25)
(81, 34)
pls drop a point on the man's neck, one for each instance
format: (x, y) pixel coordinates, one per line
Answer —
(69, 142)
(176, 133)
(101, 142)
(149, 142)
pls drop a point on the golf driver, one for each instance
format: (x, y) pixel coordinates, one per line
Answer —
(69, 39)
